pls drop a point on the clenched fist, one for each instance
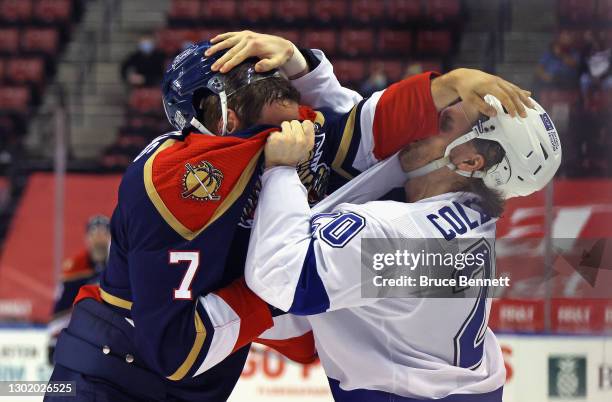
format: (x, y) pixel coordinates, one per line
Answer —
(291, 146)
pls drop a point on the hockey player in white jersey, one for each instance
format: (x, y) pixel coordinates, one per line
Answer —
(308, 261)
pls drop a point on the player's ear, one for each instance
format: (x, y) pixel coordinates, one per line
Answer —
(471, 163)
(233, 122)
(466, 158)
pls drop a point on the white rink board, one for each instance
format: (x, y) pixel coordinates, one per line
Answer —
(269, 377)
(531, 363)
(23, 357)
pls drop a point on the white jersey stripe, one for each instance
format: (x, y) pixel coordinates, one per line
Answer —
(227, 326)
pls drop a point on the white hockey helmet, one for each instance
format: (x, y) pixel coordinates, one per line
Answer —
(532, 151)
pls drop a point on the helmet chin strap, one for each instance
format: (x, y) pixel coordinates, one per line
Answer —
(223, 99)
(445, 160)
(202, 128)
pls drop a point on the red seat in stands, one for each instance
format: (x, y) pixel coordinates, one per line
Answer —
(366, 11)
(146, 100)
(354, 42)
(52, 11)
(607, 35)
(2, 68)
(414, 67)
(208, 33)
(577, 10)
(442, 10)
(225, 10)
(325, 39)
(403, 10)
(430, 65)
(15, 11)
(9, 40)
(26, 70)
(14, 99)
(394, 41)
(172, 40)
(184, 10)
(292, 35)
(604, 10)
(350, 71)
(434, 42)
(326, 11)
(394, 70)
(599, 101)
(256, 10)
(550, 97)
(292, 10)
(40, 40)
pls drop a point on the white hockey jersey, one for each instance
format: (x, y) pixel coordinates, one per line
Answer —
(309, 262)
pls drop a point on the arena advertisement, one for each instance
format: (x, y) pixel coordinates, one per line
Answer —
(268, 376)
(557, 368)
(538, 369)
(24, 355)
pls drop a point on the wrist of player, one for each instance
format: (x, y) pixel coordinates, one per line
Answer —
(443, 90)
(296, 66)
(279, 162)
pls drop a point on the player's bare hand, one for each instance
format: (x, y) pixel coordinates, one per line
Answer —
(291, 146)
(472, 86)
(273, 51)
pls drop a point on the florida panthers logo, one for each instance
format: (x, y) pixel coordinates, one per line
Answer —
(314, 175)
(202, 182)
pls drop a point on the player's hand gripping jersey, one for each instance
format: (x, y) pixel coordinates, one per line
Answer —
(181, 228)
(309, 262)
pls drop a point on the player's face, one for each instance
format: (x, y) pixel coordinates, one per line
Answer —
(277, 112)
(458, 118)
(454, 121)
(98, 241)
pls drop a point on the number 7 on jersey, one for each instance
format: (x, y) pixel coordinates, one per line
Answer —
(193, 258)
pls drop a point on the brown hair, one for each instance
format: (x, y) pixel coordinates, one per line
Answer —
(247, 101)
(491, 201)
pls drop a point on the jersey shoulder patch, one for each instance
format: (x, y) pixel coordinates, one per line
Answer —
(193, 182)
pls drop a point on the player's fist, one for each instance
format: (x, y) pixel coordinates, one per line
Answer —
(291, 146)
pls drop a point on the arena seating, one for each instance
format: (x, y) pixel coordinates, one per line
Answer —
(412, 29)
(293, 11)
(604, 10)
(144, 120)
(578, 113)
(359, 36)
(576, 10)
(32, 33)
(324, 39)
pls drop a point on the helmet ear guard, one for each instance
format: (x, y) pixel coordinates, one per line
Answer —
(532, 151)
(188, 72)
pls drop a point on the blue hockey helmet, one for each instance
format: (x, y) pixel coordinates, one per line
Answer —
(189, 72)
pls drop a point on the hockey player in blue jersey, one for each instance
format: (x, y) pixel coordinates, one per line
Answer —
(172, 318)
(308, 262)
